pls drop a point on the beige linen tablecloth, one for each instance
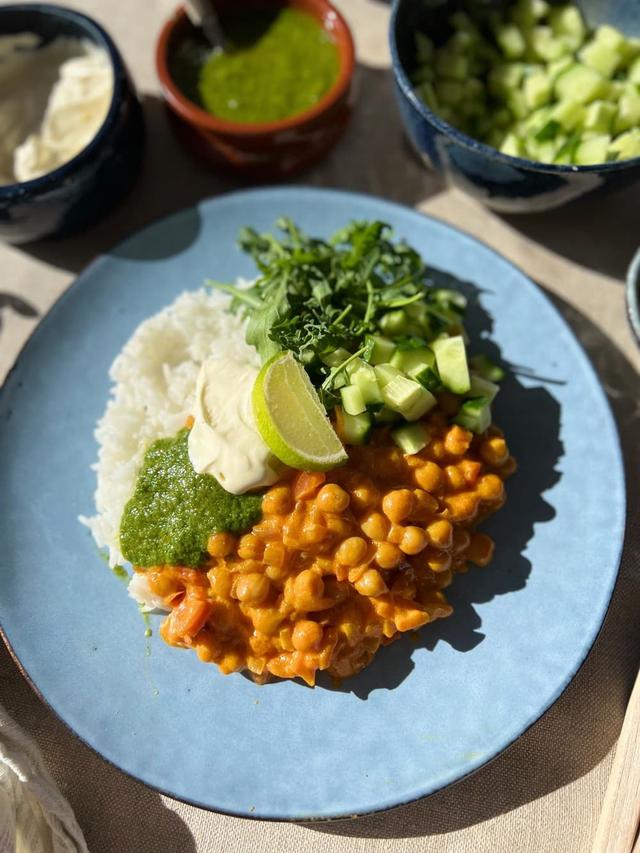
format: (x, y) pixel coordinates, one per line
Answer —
(544, 793)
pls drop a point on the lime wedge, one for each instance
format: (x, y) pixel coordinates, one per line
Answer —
(291, 419)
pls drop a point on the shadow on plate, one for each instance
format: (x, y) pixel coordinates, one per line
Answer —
(521, 410)
(579, 730)
(599, 232)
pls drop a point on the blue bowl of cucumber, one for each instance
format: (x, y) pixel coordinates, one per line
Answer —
(524, 104)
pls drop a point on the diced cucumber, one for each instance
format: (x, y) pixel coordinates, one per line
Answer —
(537, 90)
(610, 37)
(452, 65)
(385, 415)
(634, 71)
(599, 116)
(625, 146)
(567, 152)
(394, 323)
(510, 41)
(367, 382)
(408, 360)
(411, 438)
(568, 113)
(548, 131)
(487, 369)
(333, 359)
(483, 388)
(474, 415)
(408, 398)
(512, 146)
(580, 84)
(526, 12)
(451, 359)
(628, 111)
(567, 20)
(505, 78)
(385, 373)
(449, 92)
(547, 46)
(379, 350)
(355, 429)
(424, 48)
(340, 380)
(598, 55)
(428, 95)
(592, 151)
(558, 66)
(352, 400)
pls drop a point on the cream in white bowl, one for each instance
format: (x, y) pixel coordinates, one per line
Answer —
(53, 100)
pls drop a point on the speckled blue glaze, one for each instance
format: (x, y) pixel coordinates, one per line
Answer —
(508, 184)
(424, 713)
(633, 295)
(78, 193)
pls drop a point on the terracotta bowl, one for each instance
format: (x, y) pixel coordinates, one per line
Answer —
(268, 150)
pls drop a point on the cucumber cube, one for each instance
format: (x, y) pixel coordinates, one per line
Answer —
(427, 93)
(409, 360)
(474, 415)
(385, 373)
(599, 116)
(394, 323)
(634, 71)
(527, 12)
(462, 21)
(483, 388)
(546, 46)
(424, 48)
(352, 400)
(333, 359)
(628, 111)
(448, 92)
(591, 152)
(354, 429)
(505, 78)
(569, 114)
(567, 20)
(411, 438)
(537, 90)
(625, 146)
(452, 65)
(580, 84)
(511, 41)
(386, 416)
(558, 66)
(379, 349)
(451, 359)
(601, 57)
(486, 369)
(610, 37)
(512, 146)
(367, 382)
(407, 397)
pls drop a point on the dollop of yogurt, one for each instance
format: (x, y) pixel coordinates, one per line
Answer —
(53, 100)
(224, 440)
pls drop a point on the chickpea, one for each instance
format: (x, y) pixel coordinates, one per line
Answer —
(221, 544)
(275, 554)
(221, 581)
(307, 636)
(363, 496)
(375, 526)
(480, 550)
(277, 500)
(352, 551)
(395, 534)
(332, 498)
(250, 547)
(267, 620)
(429, 477)
(340, 528)
(308, 588)
(270, 528)
(388, 556)
(312, 534)
(461, 539)
(491, 488)
(252, 588)
(398, 505)
(440, 533)
(454, 477)
(371, 584)
(437, 449)
(462, 506)
(470, 470)
(494, 450)
(414, 540)
(438, 561)
(457, 440)
(424, 503)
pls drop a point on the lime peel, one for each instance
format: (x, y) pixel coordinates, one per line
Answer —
(291, 418)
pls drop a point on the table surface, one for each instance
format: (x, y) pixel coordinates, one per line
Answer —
(545, 792)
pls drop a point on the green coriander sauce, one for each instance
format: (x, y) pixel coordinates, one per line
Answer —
(173, 510)
(278, 63)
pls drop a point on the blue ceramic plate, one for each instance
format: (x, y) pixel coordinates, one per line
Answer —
(426, 712)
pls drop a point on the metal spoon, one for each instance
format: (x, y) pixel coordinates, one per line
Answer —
(203, 15)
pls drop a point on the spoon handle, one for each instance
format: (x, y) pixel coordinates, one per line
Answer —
(202, 14)
(620, 816)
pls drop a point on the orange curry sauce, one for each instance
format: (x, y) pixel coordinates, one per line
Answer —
(343, 562)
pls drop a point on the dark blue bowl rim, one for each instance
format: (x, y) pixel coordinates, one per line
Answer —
(473, 144)
(633, 296)
(10, 192)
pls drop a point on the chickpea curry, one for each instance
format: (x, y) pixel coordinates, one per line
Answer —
(348, 550)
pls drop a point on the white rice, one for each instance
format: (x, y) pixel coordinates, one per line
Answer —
(154, 380)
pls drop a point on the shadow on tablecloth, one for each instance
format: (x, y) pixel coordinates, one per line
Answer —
(577, 732)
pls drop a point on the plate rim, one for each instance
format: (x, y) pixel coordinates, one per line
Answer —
(540, 295)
